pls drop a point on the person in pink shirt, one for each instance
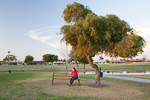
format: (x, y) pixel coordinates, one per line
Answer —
(75, 75)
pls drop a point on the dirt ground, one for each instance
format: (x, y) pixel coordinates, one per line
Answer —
(87, 88)
(108, 90)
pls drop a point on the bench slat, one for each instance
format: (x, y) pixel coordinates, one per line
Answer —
(65, 78)
(62, 76)
(61, 73)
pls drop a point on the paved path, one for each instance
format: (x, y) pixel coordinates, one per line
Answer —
(128, 78)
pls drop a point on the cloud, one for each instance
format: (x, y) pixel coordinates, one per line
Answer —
(46, 35)
(55, 45)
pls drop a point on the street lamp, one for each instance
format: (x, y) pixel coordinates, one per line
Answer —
(8, 56)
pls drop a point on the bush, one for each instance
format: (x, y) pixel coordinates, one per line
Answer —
(127, 61)
(108, 71)
(128, 71)
(107, 61)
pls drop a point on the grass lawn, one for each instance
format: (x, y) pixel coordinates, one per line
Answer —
(138, 76)
(105, 67)
(37, 86)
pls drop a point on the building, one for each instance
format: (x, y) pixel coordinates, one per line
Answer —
(59, 63)
(148, 61)
(74, 63)
(136, 60)
(12, 63)
(117, 61)
(37, 63)
(100, 62)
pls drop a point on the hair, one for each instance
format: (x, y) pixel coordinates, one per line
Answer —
(74, 68)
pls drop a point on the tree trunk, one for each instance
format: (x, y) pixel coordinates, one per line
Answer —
(116, 60)
(84, 68)
(66, 66)
(97, 72)
(47, 63)
(112, 60)
(77, 65)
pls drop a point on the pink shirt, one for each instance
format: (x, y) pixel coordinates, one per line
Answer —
(75, 73)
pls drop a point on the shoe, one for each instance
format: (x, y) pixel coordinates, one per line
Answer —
(69, 84)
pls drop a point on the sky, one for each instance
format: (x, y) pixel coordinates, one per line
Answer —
(30, 27)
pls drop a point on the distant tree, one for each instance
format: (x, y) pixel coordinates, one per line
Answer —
(127, 61)
(10, 58)
(74, 57)
(83, 60)
(63, 50)
(107, 61)
(101, 58)
(64, 60)
(50, 58)
(121, 60)
(28, 58)
(144, 59)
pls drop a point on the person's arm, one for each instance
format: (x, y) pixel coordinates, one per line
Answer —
(70, 73)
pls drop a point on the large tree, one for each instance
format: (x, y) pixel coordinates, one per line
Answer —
(90, 34)
(50, 58)
(28, 58)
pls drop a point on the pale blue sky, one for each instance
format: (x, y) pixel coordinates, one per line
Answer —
(30, 26)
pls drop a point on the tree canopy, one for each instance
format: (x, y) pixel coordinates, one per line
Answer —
(91, 33)
(75, 12)
(130, 46)
(10, 58)
(50, 58)
(28, 58)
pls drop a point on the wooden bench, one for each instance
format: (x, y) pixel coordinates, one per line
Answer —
(62, 76)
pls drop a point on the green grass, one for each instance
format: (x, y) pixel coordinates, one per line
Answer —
(4, 77)
(137, 76)
(106, 67)
(126, 67)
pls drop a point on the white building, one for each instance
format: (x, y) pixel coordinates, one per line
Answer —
(58, 63)
(100, 62)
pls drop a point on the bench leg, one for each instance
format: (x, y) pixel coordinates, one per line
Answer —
(53, 81)
(79, 82)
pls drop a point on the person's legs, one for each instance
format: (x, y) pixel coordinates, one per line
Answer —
(72, 79)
